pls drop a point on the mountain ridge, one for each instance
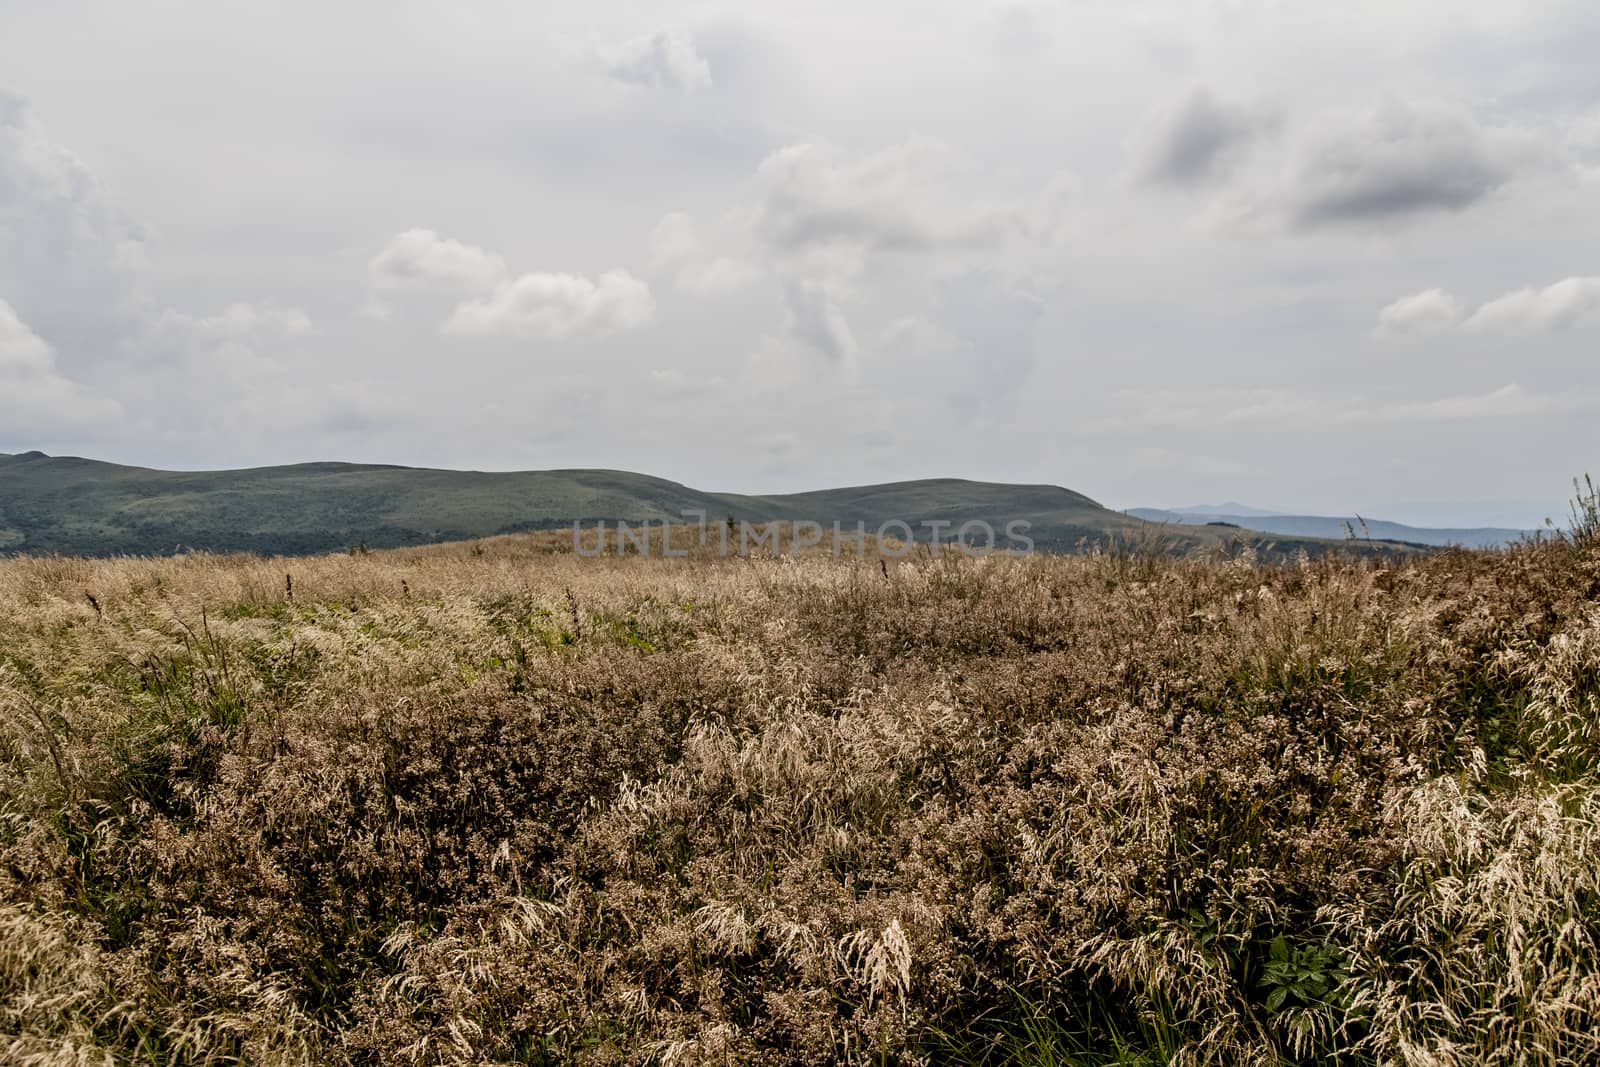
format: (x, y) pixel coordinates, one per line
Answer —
(77, 506)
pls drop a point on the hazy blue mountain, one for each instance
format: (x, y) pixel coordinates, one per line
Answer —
(1330, 526)
(1229, 508)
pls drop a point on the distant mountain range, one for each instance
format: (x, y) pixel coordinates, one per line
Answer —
(87, 507)
(1330, 526)
(1208, 510)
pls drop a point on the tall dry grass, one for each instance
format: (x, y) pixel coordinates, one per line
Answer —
(500, 804)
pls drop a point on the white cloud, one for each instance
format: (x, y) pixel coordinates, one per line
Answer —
(665, 60)
(676, 248)
(1568, 303)
(917, 195)
(532, 305)
(557, 306)
(1432, 311)
(420, 256)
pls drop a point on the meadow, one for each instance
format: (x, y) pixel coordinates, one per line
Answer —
(497, 803)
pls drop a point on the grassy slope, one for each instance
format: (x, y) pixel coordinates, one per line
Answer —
(80, 506)
(489, 804)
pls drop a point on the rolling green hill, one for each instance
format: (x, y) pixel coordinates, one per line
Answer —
(87, 507)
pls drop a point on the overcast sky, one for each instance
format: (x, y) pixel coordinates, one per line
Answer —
(1310, 256)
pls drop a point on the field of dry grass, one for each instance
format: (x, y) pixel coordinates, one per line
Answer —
(501, 804)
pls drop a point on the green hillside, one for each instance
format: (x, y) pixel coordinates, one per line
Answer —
(92, 508)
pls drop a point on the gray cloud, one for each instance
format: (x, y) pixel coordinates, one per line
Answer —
(1198, 139)
(23, 353)
(906, 197)
(876, 272)
(1401, 160)
(34, 396)
(815, 319)
(69, 261)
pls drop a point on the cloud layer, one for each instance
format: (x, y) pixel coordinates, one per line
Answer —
(1107, 246)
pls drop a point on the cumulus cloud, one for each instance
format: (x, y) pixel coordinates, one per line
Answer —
(557, 306)
(912, 196)
(421, 256)
(1566, 304)
(1432, 311)
(34, 396)
(1398, 161)
(69, 262)
(547, 305)
(676, 248)
(1197, 139)
(665, 60)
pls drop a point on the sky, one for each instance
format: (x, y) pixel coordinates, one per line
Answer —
(1314, 257)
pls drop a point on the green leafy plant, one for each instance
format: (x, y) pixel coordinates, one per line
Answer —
(1302, 976)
